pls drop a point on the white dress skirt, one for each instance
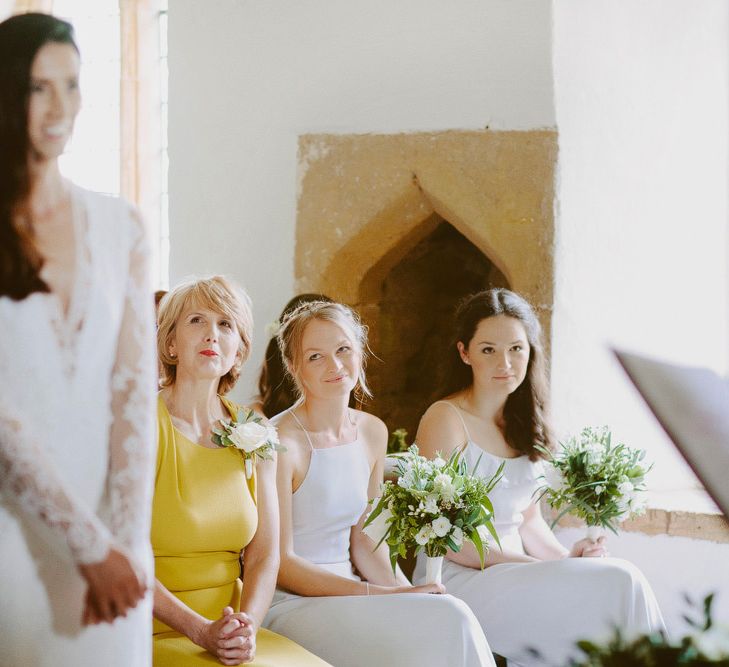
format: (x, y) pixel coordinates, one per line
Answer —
(547, 605)
(407, 630)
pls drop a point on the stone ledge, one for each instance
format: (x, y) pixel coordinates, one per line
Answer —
(709, 526)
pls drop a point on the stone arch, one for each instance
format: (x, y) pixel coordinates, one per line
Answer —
(366, 201)
(408, 307)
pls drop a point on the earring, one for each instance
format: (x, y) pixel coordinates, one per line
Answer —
(173, 355)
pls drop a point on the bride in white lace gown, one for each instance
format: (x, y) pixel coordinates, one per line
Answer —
(77, 373)
(534, 593)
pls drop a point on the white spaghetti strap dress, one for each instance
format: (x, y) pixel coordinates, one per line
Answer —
(546, 605)
(408, 630)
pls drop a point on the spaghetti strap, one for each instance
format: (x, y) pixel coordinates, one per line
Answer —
(301, 426)
(460, 416)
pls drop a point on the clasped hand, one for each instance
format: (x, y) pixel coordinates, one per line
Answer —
(115, 585)
(231, 638)
(587, 548)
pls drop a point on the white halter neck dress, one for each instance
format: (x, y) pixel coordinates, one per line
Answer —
(408, 630)
(546, 605)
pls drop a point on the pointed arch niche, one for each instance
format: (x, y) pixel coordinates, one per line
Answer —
(402, 226)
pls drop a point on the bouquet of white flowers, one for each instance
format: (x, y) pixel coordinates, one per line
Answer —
(247, 433)
(434, 506)
(594, 479)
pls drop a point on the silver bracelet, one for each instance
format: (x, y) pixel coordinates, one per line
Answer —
(367, 583)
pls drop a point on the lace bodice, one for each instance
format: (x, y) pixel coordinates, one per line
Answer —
(77, 405)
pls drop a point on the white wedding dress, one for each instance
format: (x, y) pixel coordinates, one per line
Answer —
(547, 605)
(407, 630)
(77, 446)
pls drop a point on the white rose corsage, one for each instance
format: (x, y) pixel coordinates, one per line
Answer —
(247, 433)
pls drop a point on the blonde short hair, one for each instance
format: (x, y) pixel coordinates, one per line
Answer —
(216, 293)
(291, 334)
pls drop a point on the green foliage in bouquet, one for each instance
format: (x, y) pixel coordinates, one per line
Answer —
(398, 441)
(595, 479)
(434, 506)
(707, 644)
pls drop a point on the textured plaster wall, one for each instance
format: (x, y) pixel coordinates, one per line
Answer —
(248, 78)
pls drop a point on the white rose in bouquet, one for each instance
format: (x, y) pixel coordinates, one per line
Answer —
(443, 485)
(430, 506)
(457, 536)
(424, 535)
(407, 479)
(625, 489)
(554, 478)
(441, 526)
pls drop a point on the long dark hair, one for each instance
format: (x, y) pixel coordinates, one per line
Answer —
(525, 413)
(21, 37)
(276, 388)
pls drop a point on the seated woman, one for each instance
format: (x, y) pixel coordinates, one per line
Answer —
(534, 592)
(206, 511)
(333, 464)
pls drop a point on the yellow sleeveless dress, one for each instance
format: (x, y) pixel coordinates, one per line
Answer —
(203, 515)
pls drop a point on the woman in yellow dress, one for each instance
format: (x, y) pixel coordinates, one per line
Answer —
(207, 512)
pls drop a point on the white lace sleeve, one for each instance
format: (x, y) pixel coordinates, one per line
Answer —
(30, 483)
(132, 440)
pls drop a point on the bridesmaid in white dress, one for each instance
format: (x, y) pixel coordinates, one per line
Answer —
(534, 592)
(337, 596)
(77, 375)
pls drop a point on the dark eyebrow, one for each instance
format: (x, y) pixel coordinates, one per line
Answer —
(486, 342)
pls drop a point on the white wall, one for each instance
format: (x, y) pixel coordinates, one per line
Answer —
(642, 103)
(247, 78)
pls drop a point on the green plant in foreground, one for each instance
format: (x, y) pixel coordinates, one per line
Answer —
(706, 644)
